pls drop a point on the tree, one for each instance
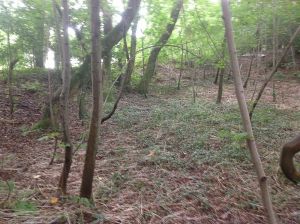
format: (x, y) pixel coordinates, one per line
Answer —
(145, 81)
(221, 67)
(108, 42)
(64, 98)
(89, 164)
(244, 113)
(107, 27)
(125, 78)
(57, 44)
(33, 20)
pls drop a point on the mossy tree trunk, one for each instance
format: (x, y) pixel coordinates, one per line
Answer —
(150, 68)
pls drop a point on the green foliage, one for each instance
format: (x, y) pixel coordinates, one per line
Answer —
(199, 29)
(233, 136)
(42, 124)
(165, 89)
(81, 201)
(202, 132)
(25, 130)
(51, 135)
(32, 86)
(112, 186)
(23, 206)
(279, 75)
(126, 118)
(297, 75)
(7, 186)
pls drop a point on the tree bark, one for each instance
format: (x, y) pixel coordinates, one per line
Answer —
(117, 33)
(50, 95)
(221, 71)
(180, 69)
(262, 179)
(86, 188)
(249, 72)
(221, 81)
(275, 33)
(12, 64)
(39, 45)
(217, 76)
(274, 70)
(9, 77)
(145, 81)
(64, 98)
(107, 27)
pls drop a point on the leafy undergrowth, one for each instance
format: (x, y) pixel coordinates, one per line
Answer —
(161, 161)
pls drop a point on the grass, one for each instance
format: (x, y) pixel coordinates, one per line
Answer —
(17, 200)
(205, 131)
(32, 86)
(208, 139)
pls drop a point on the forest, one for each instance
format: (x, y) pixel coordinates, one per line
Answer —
(149, 111)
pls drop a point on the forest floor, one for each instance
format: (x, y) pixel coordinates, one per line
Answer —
(162, 159)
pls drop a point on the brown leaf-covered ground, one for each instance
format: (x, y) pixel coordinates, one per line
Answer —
(144, 174)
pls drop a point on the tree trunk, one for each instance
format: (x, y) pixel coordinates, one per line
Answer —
(57, 50)
(245, 116)
(143, 57)
(249, 72)
(194, 86)
(9, 78)
(181, 68)
(89, 164)
(50, 96)
(217, 76)
(132, 53)
(221, 81)
(64, 98)
(113, 37)
(293, 57)
(12, 64)
(39, 45)
(221, 71)
(107, 27)
(145, 81)
(275, 33)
